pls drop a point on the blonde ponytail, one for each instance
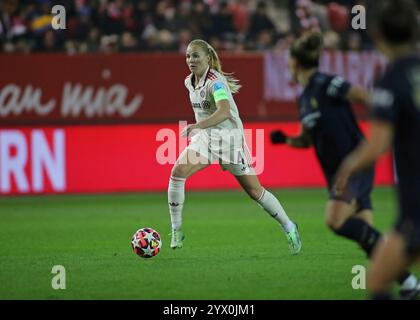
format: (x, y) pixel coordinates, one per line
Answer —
(215, 64)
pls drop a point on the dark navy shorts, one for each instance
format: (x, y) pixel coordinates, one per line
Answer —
(358, 188)
(408, 221)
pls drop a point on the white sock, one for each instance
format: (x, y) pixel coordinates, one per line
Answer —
(176, 196)
(409, 283)
(270, 204)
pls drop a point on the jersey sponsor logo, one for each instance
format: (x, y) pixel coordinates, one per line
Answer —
(205, 104)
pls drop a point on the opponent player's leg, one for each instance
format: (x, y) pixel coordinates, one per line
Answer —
(187, 164)
(366, 215)
(341, 217)
(363, 202)
(389, 261)
(251, 184)
(341, 220)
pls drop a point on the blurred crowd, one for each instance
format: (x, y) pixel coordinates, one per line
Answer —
(169, 25)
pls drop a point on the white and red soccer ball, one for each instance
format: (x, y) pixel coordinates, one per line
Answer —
(146, 242)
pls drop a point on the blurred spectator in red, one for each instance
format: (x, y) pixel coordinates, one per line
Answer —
(240, 13)
(338, 17)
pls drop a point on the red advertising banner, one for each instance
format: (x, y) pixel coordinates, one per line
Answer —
(149, 88)
(118, 158)
(91, 89)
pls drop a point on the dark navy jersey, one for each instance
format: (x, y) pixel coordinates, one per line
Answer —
(327, 116)
(396, 99)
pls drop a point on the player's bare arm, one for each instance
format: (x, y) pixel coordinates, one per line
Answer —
(221, 114)
(357, 95)
(303, 140)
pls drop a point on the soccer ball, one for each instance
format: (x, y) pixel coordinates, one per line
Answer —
(146, 242)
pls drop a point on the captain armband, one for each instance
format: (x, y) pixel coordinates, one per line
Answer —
(219, 92)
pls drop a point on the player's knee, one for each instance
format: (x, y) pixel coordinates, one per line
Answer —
(374, 283)
(333, 222)
(254, 193)
(179, 171)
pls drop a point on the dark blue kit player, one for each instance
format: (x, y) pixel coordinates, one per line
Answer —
(329, 125)
(395, 107)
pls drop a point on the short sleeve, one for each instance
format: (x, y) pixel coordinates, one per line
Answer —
(186, 82)
(338, 88)
(219, 90)
(382, 104)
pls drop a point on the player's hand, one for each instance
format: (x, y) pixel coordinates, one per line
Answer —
(277, 136)
(342, 177)
(189, 130)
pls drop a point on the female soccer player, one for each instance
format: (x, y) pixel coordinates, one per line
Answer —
(396, 119)
(329, 124)
(217, 134)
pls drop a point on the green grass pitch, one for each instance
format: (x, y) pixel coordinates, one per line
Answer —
(232, 250)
